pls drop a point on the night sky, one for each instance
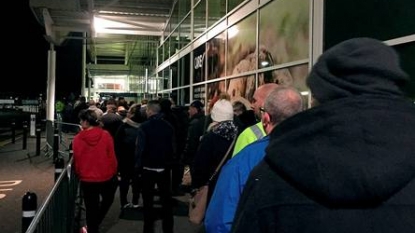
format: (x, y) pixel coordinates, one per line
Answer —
(25, 63)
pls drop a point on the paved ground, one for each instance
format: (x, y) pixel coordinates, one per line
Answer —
(19, 174)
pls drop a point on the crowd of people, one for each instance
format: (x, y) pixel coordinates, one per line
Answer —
(344, 165)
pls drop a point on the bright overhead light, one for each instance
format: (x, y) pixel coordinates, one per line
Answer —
(106, 26)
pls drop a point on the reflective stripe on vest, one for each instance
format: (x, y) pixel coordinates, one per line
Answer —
(257, 131)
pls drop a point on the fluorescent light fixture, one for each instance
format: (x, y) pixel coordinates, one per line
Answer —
(106, 26)
(101, 25)
(304, 92)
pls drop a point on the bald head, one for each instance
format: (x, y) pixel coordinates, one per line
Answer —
(282, 103)
(260, 95)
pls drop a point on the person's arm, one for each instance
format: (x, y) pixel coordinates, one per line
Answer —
(75, 145)
(246, 215)
(118, 141)
(222, 206)
(200, 165)
(111, 154)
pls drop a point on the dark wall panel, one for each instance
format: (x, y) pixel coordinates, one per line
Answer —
(380, 19)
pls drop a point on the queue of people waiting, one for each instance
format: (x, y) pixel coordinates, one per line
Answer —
(343, 165)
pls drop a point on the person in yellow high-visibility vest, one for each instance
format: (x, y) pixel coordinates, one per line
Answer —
(59, 107)
(256, 131)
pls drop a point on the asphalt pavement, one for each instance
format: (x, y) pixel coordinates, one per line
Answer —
(21, 171)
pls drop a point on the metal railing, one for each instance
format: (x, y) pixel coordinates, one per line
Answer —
(56, 138)
(57, 214)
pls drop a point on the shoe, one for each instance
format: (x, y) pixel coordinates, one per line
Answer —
(83, 229)
(127, 206)
(135, 206)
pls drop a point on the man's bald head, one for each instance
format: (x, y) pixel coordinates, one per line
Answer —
(260, 95)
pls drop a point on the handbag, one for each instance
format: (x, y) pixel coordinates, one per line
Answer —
(197, 205)
(198, 201)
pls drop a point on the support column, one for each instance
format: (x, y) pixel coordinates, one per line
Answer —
(83, 92)
(50, 94)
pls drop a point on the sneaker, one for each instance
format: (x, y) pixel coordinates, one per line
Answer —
(128, 205)
(83, 230)
(135, 206)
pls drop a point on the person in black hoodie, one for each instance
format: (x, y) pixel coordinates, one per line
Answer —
(176, 168)
(347, 164)
(124, 142)
(154, 155)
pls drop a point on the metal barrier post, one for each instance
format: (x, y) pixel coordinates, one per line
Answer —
(59, 165)
(29, 206)
(55, 144)
(13, 132)
(32, 125)
(38, 135)
(24, 135)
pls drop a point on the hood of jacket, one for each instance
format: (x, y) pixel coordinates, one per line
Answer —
(91, 136)
(356, 151)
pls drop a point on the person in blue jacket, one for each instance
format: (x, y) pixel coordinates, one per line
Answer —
(280, 104)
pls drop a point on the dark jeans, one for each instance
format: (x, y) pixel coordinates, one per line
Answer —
(133, 178)
(98, 198)
(162, 179)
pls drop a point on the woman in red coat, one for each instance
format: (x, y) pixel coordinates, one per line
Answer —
(96, 166)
